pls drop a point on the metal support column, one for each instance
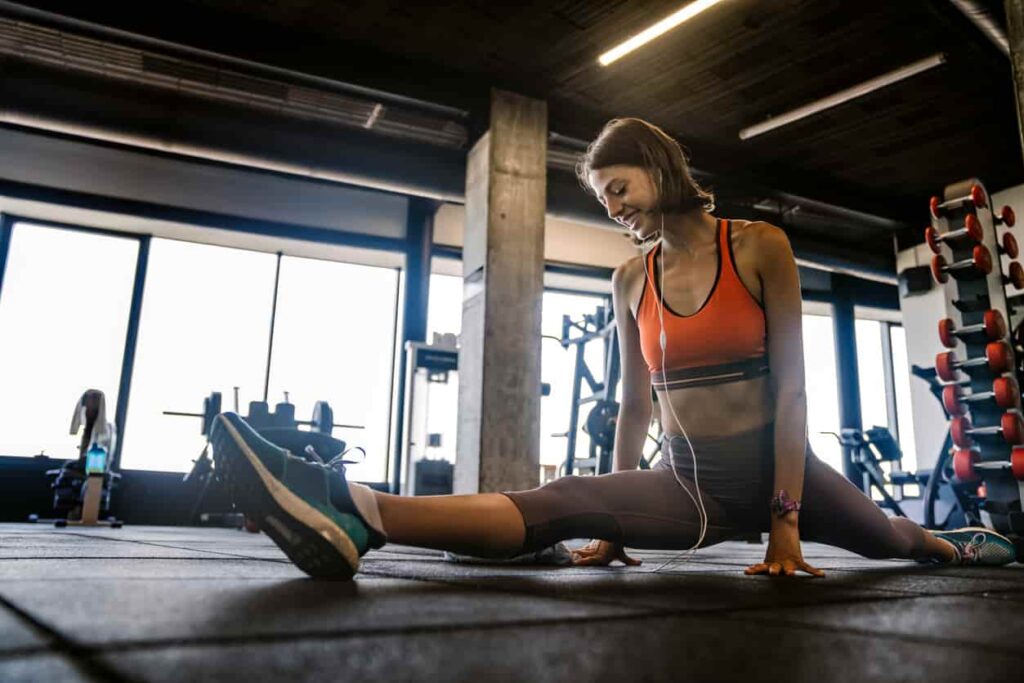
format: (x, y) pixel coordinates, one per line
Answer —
(889, 376)
(847, 376)
(419, 233)
(273, 326)
(130, 342)
(6, 228)
(1015, 34)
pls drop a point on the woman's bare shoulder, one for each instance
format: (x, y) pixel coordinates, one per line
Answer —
(759, 240)
(627, 274)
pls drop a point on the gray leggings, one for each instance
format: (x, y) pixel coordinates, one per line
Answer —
(649, 509)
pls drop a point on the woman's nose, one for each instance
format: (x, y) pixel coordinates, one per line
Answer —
(614, 208)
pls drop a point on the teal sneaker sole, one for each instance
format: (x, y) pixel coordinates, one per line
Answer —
(308, 537)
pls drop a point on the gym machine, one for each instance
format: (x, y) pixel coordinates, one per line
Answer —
(980, 376)
(426, 459)
(82, 487)
(279, 427)
(945, 501)
(870, 451)
(602, 418)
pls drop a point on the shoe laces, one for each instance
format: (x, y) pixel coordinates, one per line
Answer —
(338, 462)
(972, 548)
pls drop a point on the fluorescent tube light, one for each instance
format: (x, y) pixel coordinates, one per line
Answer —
(649, 34)
(843, 96)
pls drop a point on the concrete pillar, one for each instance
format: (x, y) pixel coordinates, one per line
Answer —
(1015, 34)
(503, 282)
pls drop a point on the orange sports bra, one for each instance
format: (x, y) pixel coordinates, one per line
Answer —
(724, 341)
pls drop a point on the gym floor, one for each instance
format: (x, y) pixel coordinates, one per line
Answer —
(189, 604)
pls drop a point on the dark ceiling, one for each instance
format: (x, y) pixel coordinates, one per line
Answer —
(736, 65)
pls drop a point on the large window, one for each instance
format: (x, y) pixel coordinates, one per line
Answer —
(63, 319)
(871, 374)
(205, 327)
(822, 388)
(334, 341)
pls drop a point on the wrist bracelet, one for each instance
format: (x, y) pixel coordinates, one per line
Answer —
(781, 504)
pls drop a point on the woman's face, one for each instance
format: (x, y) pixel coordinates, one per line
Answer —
(630, 198)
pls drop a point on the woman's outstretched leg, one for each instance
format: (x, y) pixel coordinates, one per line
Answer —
(836, 512)
(641, 509)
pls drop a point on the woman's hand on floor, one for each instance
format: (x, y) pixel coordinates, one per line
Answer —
(784, 557)
(601, 554)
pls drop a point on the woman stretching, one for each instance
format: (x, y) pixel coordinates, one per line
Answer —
(709, 318)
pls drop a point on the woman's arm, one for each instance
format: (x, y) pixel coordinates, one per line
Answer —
(780, 286)
(635, 410)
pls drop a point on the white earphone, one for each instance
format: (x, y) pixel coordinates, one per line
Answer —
(663, 342)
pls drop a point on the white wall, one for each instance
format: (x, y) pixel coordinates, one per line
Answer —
(921, 315)
(564, 241)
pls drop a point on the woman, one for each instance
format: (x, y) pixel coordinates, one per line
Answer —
(710, 318)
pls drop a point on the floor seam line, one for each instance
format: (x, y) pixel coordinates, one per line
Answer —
(78, 655)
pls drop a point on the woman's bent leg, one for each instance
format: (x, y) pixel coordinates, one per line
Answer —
(485, 525)
(640, 509)
(836, 512)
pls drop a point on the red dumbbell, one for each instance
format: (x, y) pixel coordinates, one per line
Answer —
(998, 358)
(967, 464)
(992, 327)
(976, 196)
(1006, 217)
(971, 231)
(979, 265)
(1009, 245)
(1011, 429)
(1005, 393)
(1016, 276)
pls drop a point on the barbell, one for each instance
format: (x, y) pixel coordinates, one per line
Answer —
(322, 420)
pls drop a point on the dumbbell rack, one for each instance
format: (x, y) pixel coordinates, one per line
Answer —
(990, 459)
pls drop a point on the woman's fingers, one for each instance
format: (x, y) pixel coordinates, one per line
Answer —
(600, 553)
(787, 568)
(627, 560)
(813, 571)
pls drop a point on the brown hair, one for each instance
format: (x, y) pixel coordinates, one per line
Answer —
(634, 142)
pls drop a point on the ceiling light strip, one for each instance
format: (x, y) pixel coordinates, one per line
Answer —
(649, 34)
(843, 96)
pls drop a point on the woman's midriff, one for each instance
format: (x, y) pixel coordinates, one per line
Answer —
(719, 410)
